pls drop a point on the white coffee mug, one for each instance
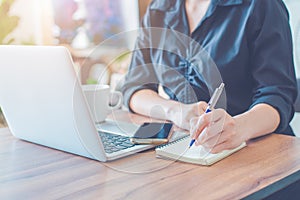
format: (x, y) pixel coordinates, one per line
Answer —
(99, 97)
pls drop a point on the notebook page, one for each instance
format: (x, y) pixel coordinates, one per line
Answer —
(179, 150)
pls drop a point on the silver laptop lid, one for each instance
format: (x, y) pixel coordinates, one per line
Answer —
(43, 102)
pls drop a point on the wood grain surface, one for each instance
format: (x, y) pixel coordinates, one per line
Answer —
(29, 171)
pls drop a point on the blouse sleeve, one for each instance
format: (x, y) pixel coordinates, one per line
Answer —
(272, 63)
(141, 73)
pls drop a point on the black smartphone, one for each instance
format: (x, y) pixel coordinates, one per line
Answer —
(152, 133)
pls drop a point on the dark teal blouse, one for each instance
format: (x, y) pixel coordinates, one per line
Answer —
(249, 42)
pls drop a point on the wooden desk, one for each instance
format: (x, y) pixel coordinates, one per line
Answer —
(29, 171)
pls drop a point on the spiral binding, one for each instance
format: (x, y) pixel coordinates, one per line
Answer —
(173, 142)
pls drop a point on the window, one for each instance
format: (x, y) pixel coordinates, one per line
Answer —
(93, 21)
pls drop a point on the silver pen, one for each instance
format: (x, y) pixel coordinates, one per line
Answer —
(212, 103)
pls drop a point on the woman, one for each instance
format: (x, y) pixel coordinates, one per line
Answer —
(250, 43)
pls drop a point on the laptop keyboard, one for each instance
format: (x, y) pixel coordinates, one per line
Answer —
(113, 143)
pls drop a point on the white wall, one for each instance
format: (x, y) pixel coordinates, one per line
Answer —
(294, 8)
(36, 21)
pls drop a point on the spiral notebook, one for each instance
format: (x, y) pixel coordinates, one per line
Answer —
(178, 150)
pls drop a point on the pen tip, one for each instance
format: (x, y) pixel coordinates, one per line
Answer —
(191, 143)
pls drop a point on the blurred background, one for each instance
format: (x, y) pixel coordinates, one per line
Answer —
(86, 27)
(81, 25)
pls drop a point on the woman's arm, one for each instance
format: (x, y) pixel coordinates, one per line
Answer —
(149, 103)
(219, 131)
(259, 120)
(274, 84)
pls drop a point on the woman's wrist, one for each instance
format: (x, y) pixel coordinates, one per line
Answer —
(172, 110)
(242, 127)
(156, 106)
(262, 119)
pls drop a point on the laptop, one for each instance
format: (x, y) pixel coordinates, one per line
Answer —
(43, 103)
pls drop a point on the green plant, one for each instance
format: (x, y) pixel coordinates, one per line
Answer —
(7, 22)
(91, 81)
(2, 120)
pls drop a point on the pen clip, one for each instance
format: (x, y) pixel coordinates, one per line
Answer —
(215, 97)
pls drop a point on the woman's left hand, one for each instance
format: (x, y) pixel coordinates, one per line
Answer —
(216, 131)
